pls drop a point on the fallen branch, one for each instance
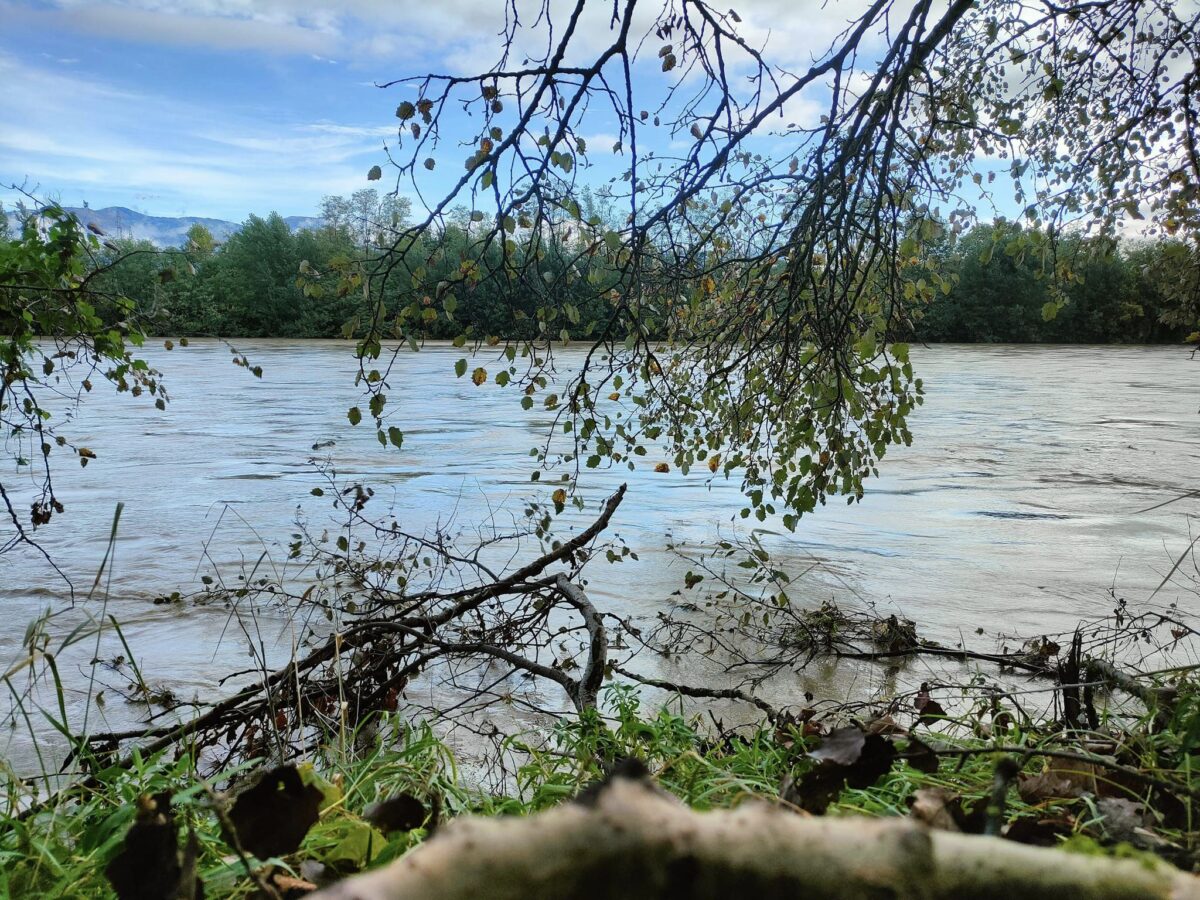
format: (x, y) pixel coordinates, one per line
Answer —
(709, 693)
(586, 691)
(634, 842)
(392, 640)
(1106, 672)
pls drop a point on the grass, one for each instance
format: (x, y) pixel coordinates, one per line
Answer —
(63, 849)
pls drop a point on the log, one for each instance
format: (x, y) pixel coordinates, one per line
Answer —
(632, 841)
(1106, 672)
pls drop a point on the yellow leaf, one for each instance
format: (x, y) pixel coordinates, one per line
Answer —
(710, 284)
(559, 497)
(479, 376)
(662, 467)
(614, 396)
(714, 463)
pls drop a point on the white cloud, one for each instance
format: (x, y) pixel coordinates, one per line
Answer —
(457, 34)
(177, 28)
(73, 133)
(355, 130)
(226, 160)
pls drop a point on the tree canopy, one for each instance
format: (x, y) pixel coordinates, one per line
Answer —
(59, 331)
(760, 268)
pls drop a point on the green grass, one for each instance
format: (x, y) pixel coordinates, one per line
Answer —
(63, 849)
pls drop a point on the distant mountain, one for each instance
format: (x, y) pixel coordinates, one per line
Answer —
(166, 231)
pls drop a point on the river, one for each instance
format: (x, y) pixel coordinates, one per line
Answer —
(1018, 509)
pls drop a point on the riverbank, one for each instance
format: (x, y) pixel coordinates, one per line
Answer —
(351, 806)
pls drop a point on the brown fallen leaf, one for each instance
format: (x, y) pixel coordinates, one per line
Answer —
(290, 886)
(847, 757)
(843, 746)
(148, 866)
(1049, 785)
(920, 756)
(927, 708)
(885, 725)
(1046, 832)
(272, 816)
(933, 807)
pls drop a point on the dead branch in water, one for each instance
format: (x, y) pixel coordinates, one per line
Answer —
(390, 635)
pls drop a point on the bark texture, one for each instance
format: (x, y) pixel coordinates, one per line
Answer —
(635, 842)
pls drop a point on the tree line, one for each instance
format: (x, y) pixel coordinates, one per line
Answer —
(1004, 283)
(1016, 285)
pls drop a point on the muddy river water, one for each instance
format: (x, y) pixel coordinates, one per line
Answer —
(1018, 508)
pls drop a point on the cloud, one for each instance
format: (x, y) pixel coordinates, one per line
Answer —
(356, 130)
(72, 133)
(244, 151)
(158, 26)
(457, 34)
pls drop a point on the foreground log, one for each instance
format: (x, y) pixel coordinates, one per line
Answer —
(633, 841)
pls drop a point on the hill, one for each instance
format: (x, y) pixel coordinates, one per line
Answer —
(166, 231)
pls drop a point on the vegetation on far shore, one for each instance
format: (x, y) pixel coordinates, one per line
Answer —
(1005, 283)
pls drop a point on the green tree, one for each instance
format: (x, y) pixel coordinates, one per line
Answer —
(1167, 276)
(366, 217)
(256, 273)
(60, 332)
(200, 241)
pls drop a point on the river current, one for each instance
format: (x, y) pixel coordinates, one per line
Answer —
(1019, 508)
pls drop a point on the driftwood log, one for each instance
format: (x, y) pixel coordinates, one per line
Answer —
(632, 841)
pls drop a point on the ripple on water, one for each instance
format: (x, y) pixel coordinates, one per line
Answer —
(948, 526)
(1008, 514)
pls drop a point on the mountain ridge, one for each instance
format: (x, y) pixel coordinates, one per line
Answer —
(166, 231)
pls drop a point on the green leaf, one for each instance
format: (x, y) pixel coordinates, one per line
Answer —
(396, 437)
(460, 368)
(355, 843)
(354, 414)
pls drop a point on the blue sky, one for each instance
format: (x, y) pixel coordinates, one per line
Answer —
(229, 107)
(163, 112)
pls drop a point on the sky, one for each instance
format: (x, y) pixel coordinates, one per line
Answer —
(225, 108)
